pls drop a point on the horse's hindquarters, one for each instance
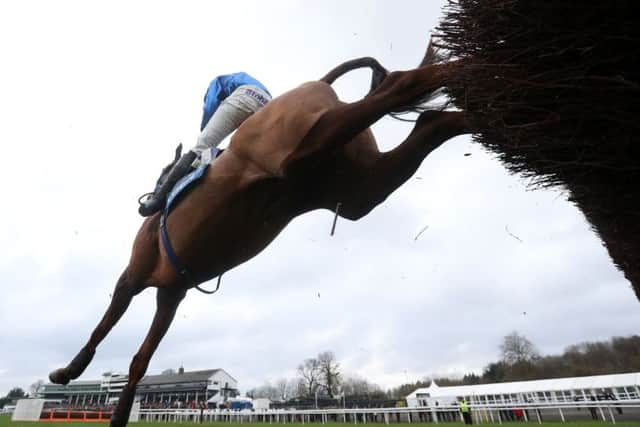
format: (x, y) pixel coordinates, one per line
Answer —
(276, 131)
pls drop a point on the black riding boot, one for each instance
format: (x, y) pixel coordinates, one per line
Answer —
(156, 202)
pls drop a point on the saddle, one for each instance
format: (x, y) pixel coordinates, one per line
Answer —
(188, 181)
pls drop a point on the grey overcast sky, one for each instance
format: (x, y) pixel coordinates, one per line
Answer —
(95, 95)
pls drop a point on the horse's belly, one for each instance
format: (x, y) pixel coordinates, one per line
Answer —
(227, 219)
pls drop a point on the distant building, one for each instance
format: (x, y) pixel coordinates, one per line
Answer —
(261, 404)
(212, 386)
(86, 392)
(598, 387)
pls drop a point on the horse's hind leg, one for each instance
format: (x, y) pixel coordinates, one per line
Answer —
(168, 300)
(395, 167)
(123, 293)
(373, 183)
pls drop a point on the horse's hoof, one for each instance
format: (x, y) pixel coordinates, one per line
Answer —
(59, 376)
(117, 421)
(79, 363)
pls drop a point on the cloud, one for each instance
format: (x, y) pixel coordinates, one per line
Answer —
(88, 133)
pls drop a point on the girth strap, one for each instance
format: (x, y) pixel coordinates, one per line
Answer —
(189, 278)
(173, 258)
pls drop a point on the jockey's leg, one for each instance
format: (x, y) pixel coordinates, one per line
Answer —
(339, 125)
(234, 110)
(156, 202)
(123, 293)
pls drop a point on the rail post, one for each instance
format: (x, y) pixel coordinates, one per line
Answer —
(613, 420)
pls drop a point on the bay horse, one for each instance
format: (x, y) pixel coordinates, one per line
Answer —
(304, 150)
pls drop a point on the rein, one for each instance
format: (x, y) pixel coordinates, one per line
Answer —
(204, 291)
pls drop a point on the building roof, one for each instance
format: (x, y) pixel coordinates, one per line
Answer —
(176, 378)
(84, 382)
(555, 384)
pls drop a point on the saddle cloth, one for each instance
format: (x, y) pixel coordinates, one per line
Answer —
(189, 180)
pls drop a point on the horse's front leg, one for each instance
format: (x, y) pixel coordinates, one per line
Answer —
(167, 303)
(125, 290)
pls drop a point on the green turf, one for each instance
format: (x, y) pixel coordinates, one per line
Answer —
(5, 421)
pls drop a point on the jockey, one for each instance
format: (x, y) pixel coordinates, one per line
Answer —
(229, 101)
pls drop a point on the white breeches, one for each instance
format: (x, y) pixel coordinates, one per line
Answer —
(235, 109)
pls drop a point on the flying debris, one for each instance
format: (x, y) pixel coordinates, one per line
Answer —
(421, 231)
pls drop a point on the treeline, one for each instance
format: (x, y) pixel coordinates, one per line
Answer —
(521, 361)
(617, 355)
(13, 395)
(321, 379)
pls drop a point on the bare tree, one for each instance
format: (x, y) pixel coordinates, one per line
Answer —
(517, 348)
(287, 388)
(282, 386)
(309, 373)
(330, 374)
(298, 387)
(354, 385)
(35, 388)
(264, 391)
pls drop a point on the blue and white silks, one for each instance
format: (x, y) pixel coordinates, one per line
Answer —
(220, 88)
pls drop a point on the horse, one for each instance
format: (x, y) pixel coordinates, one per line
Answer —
(304, 150)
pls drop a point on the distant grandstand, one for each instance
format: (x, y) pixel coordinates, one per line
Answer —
(208, 388)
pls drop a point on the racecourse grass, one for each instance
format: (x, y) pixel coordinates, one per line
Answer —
(5, 421)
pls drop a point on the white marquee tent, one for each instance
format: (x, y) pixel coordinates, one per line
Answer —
(616, 386)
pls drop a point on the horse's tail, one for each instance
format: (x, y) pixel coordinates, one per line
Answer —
(432, 101)
(378, 71)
